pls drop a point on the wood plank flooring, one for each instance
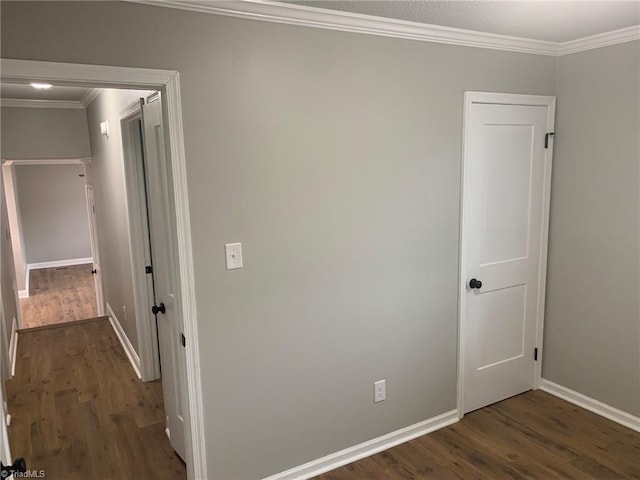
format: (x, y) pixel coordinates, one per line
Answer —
(58, 295)
(79, 411)
(532, 436)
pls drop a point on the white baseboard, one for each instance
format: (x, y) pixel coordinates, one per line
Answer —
(591, 404)
(23, 293)
(59, 263)
(366, 449)
(124, 340)
(13, 345)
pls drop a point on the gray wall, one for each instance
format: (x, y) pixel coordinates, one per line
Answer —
(44, 133)
(53, 209)
(335, 159)
(108, 177)
(592, 329)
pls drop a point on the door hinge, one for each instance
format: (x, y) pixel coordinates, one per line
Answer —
(148, 269)
(546, 138)
(535, 354)
(183, 340)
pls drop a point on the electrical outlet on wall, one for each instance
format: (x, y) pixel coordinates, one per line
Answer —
(379, 391)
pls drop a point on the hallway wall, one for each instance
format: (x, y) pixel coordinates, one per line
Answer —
(44, 133)
(53, 209)
(108, 176)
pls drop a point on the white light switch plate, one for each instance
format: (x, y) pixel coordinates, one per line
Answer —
(379, 391)
(234, 255)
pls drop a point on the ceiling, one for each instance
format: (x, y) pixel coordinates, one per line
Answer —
(555, 21)
(27, 92)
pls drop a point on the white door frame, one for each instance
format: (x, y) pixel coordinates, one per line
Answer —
(139, 249)
(504, 99)
(95, 248)
(168, 82)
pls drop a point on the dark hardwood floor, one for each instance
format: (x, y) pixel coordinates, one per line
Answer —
(79, 411)
(532, 436)
(58, 295)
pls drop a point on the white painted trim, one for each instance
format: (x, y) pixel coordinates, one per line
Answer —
(139, 249)
(614, 37)
(23, 293)
(90, 96)
(366, 449)
(591, 404)
(32, 103)
(76, 74)
(544, 243)
(4, 435)
(124, 340)
(48, 161)
(13, 345)
(172, 111)
(168, 82)
(27, 279)
(503, 99)
(303, 15)
(59, 263)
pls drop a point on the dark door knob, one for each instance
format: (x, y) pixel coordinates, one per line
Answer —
(94, 271)
(158, 309)
(473, 283)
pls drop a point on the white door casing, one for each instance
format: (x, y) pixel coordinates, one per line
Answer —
(505, 212)
(140, 249)
(170, 329)
(95, 249)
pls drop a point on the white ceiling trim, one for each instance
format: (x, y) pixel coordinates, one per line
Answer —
(90, 96)
(30, 103)
(602, 40)
(292, 14)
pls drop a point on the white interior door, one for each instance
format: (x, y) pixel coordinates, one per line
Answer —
(170, 329)
(505, 216)
(95, 250)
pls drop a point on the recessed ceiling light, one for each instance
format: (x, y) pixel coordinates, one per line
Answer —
(41, 86)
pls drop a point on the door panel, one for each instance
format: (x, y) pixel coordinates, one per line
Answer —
(95, 249)
(503, 214)
(502, 338)
(505, 195)
(172, 354)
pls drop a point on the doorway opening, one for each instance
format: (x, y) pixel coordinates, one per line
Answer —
(173, 279)
(505, 199)
(50, 234)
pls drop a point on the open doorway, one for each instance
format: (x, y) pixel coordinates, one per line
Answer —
(173, 280)
(50, 234)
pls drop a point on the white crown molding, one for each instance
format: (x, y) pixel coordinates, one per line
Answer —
(351, 22)
(90, 96)
(614, 37)
(302, 15)
(29, 103)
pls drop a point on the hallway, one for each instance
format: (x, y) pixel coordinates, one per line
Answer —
(79, 411)
(59, 295)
